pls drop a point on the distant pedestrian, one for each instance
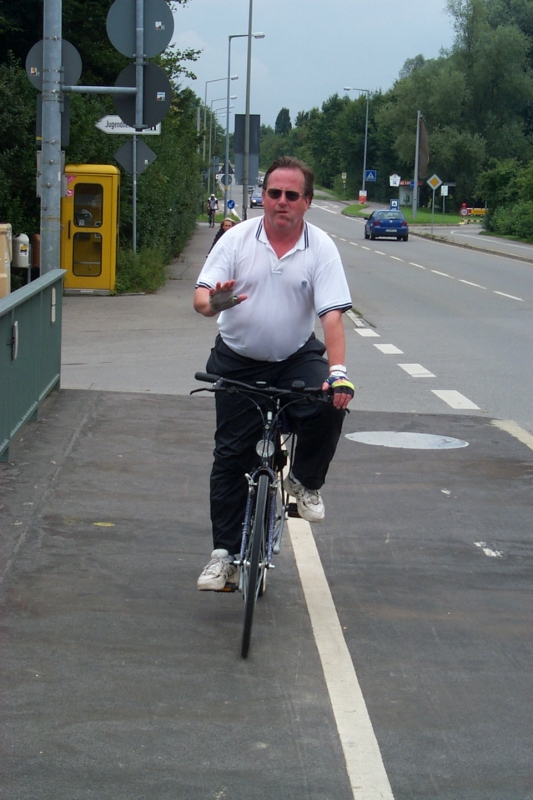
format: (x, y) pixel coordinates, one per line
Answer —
(225, 225)
(212, 208)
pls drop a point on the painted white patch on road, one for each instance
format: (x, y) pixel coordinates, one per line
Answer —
(455, 399)
(364, 764)
(510, 296)
(395, 258)
(389, 349)
(357, 321)
(379, 252)
(407, 440)
(489, 552)
(354, 244)
(444, 274)
(366, 332)
(365, 248)
(417, 371)
(412, 263)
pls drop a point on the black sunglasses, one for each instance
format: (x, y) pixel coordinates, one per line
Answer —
(291, 196)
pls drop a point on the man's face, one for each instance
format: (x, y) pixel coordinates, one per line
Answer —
(283, 214)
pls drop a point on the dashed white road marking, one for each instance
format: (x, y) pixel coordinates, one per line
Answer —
(488, 550)
(366, 332)
(444, 274)
(417, 371)
(365, 248)
(412, 263)
(364, 764)
(395, 258)
(355, 244)
(469, 283)
(454, 399)
(511, 296)
(379, 252)
(389, 349)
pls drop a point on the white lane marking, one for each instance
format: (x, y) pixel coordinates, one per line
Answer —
(365, 248)
(355, 244)
(469, 283)
(511, 296)
(379, 252)
(333, 236)
(357, 321)
(364, 764)
(454, 399)
(366, 332)
(417, 371)
(515, 430)
(389, 349)
(412, 263)
(444, 274)
(342, 240)
(323, 208)
(395, 258)
(488, 550)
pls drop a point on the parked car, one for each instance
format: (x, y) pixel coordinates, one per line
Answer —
(256, 199)
(386, 222)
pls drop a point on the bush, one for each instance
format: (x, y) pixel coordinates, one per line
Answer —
(143, 271)
(516, 220)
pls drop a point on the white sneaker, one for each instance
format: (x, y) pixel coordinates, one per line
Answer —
(220, 571)
(308, 501)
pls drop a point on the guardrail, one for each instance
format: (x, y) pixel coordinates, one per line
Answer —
(30, 352)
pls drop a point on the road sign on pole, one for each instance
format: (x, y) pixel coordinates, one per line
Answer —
(112, 123)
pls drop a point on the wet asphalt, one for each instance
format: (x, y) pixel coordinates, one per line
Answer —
(121, 681)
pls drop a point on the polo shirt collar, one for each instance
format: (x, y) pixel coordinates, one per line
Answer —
(301, 244)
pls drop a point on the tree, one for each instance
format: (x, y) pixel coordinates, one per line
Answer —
(283, 122)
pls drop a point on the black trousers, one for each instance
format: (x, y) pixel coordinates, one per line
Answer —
(318, 427)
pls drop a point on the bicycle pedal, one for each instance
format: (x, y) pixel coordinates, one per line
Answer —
(229, 587)
(292, 510)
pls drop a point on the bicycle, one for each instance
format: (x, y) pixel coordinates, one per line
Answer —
(211, 212)
(267, 505)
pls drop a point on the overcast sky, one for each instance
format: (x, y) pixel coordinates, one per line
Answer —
(311, 49)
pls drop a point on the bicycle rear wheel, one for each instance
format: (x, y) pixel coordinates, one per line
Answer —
(254, 560)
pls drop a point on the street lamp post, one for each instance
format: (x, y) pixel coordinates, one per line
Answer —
(354, 89)
(226, 167)
(215, 80)
(216, 100)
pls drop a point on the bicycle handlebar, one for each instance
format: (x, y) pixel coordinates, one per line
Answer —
(298, 387)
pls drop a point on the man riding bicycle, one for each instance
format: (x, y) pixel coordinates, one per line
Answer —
(212, 208)
(269, 278)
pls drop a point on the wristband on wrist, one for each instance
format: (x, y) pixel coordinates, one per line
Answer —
(337, 368)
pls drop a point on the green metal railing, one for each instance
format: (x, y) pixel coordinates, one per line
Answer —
(30, 352)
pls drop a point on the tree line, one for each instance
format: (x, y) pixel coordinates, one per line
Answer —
(477, 100)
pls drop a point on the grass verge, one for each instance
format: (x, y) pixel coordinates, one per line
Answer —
(423, 215)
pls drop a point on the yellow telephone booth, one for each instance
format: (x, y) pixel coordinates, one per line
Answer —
(89, 227)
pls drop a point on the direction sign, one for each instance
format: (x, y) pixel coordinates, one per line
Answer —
(394, 180)
(434, 182)
(112, 123)
(371, 174)
(231, 204)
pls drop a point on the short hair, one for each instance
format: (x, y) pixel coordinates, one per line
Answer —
(288, 162)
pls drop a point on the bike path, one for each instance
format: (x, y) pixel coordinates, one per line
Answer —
(121, 681)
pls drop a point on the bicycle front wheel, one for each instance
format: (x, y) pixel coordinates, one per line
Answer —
(254, 560)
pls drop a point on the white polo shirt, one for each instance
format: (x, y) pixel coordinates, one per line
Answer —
(285, 295)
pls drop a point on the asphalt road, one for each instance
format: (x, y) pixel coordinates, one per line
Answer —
(391, 655)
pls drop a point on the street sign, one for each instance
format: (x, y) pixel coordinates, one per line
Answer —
(394, 204)
(231, 204)
(158, 25)
(145, 156)
(444, 190)
(394, 180)
(225, 180)
(157, 94)
(70, 61)
(371, 174)
(434, 182)
(112, 123)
